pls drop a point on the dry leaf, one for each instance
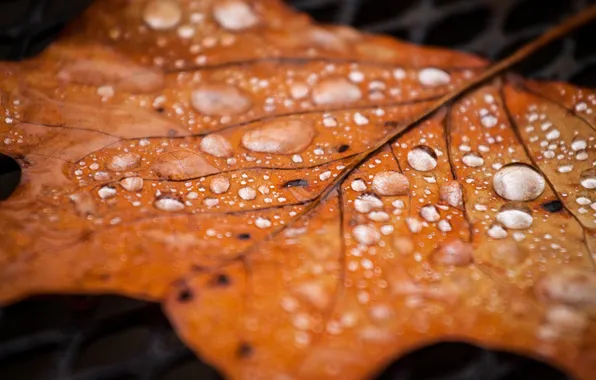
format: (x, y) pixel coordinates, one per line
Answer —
(308, 202)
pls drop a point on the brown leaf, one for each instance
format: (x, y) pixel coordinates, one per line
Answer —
(307, 201)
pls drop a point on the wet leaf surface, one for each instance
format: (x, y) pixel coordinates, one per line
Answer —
(306, 201)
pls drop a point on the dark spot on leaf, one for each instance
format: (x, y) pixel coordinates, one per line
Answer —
(244, 350)
(10, 176)
(160, 109)
(244, 236)
(342, 148)
(553, 206)
(391, 123)
(221, 279)
(185, 295)
(296, 183)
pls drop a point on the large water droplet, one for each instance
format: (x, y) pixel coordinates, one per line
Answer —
(518, 182)
(422, 158)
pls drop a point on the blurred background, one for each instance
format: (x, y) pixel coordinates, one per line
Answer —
(93, 338)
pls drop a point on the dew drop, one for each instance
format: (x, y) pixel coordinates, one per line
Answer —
(430, 213)
(473, 160)
(247, 193)
(578, 143)
(219, 100)
(422, 158)
(132, 184)
(279, 136)
(162, 14)
(106, 192)
(216, 145)
(219, 185)
(588, 178)
(515, 216)
(390, 183)
(123, 162)
(455, 252)
(169, 204)
(335, 91)
(367, 202)
(365, 234)
(497, 231)
(433, 77)
(358, 185)
(262, 223)
(518, 182)
(234, 15)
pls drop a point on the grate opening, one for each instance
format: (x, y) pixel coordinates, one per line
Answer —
(113, 338)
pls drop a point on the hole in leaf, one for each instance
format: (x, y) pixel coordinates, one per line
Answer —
(449, 31)
(462, 361)
(10, 176)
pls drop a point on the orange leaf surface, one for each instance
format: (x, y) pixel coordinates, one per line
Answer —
(307, 201)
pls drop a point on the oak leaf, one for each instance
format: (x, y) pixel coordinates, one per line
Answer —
(306, 201)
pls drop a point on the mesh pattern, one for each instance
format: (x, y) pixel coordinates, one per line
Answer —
(93, 338)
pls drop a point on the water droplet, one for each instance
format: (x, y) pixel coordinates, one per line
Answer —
(588, 178)
(106, 192)
(578, 143)
(262, 223)
(444, 226)
(390, 183)
(455, 252)
(365, 234)
(219, 185)
(452, 193)
(335, 91)
(219, 100)
(414, 225)
(132, 184)
(216, 145)
(518, 182)
(378, 216)
(433, 77)
(473, 160)
(358, 185)
(162, 14)
(515, 216)
(422, 158)
(497, 231)
(169, 204)
(489, 121)
(571, 286)
(247, 193)
(279, 136)
(234, 15)
(430, 213)
(123, 162)
(367, 202)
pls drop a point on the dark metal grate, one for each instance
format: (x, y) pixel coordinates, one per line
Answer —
(93, 338)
